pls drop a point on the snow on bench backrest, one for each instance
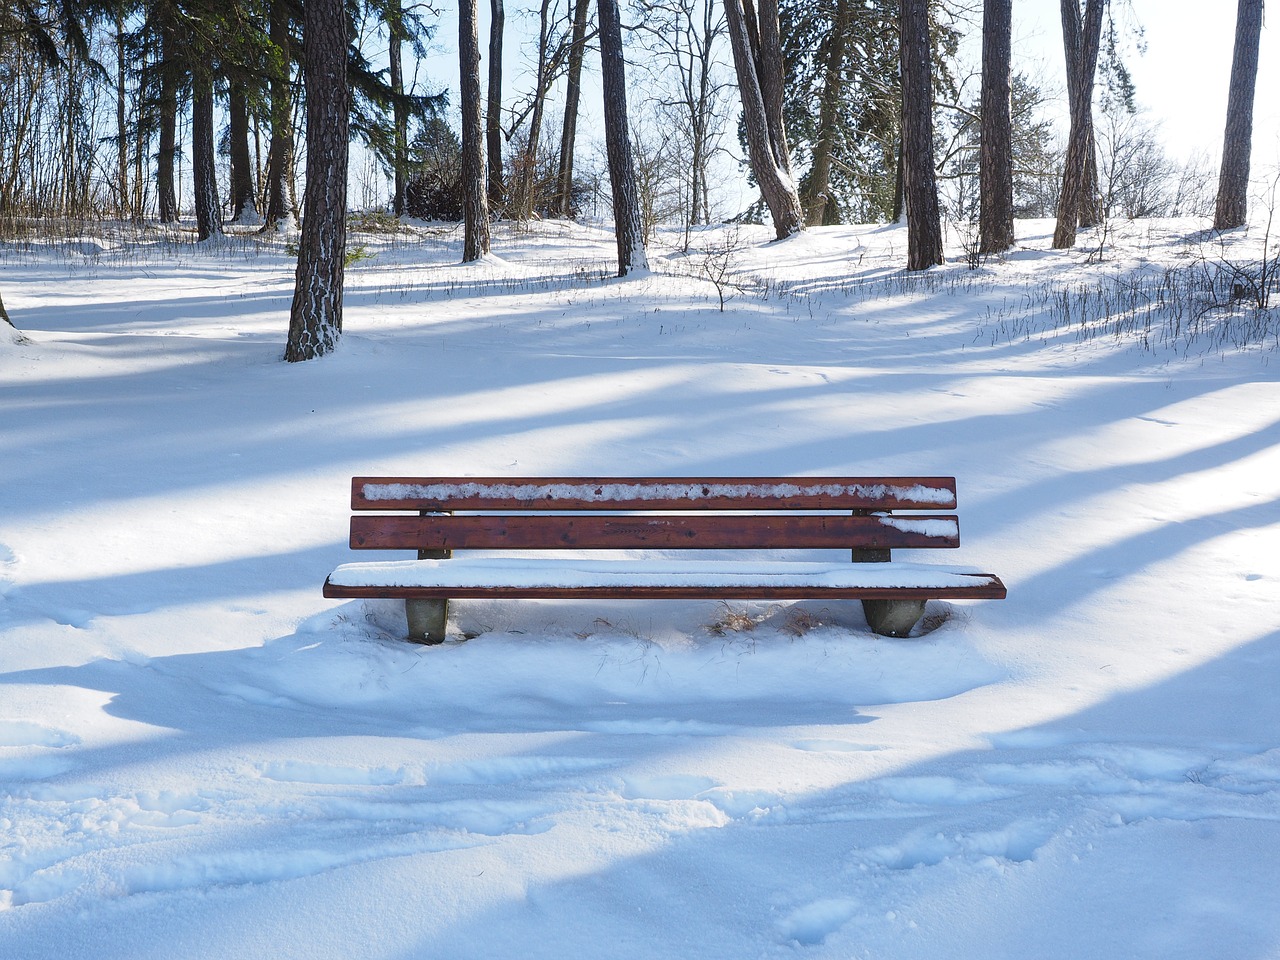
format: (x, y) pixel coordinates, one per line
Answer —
(635, 493)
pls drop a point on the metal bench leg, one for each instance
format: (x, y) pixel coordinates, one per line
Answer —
(427, 619)
(892, 618)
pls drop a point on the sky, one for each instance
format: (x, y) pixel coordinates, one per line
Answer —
(1183, 75)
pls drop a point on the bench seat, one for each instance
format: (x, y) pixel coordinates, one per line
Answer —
(473, 577)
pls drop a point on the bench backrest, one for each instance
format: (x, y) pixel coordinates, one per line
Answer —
(505, 513)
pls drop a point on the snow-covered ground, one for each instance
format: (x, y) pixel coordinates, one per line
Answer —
(201, 757)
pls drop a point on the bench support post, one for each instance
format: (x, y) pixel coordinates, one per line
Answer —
(428, 618)
(892, 618)
(889, 618)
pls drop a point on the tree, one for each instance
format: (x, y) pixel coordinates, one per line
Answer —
(816, 189)
(493, 114)
(628, 227)
(1077, 191)
(315, 319)
(400, 120)
(562, 204)
(280, 213)
(475, 200)
(757, 60)
(920, 188)
(244, 204)
(688, 89)
(995, 162)
(1232, 206)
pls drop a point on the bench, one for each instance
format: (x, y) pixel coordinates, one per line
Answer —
(863, 517)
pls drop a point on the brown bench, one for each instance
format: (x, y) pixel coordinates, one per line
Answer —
(864, 517)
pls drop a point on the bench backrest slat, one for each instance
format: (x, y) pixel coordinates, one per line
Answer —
(443, 494)
(650, 531)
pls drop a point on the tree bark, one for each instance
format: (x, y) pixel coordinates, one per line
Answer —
(572, 93)
(628, 227)
(1232, 207)
(399, 115)
(818, 201)
(493, 115)
(122, 132)
(315, 320)
(995, 150)
(475, 201)
(920, 187)
(757, 60)
(244, 205)
(166, 157)
(1076, 189)
(203, 171)
(279, 212)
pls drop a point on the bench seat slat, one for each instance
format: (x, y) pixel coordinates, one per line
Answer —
(474, 577)
(498, 532)
(653, 493)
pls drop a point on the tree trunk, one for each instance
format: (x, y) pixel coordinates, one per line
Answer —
(573, 89)
(617, 131)
(1076, 189)
(315, 320)
(475, 201)
(995, 151)
(1232, 208)
(920, 187)
(819, 180)
(399, 115)
(279, 213)
(493, 115)
(203, 170)
(122, 133)
(1090, 214)
(244, 206)
(166, 157)
(759, 70)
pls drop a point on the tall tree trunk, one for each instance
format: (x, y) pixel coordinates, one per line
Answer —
(203, 170)
(166, 158)
(1075, 182)
(244, 207)
(1232, 208)
(1090, 214)
(617, 131)
(920, 186)
(818, 183)
(279, 212)
(399, 114)
(122, 132)
(315, 320)
(563, 205)
(475, 200)
(493, 114)
(995, 150)
(757, 60)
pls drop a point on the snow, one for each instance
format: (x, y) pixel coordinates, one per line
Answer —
(487, 572)
(201, 757)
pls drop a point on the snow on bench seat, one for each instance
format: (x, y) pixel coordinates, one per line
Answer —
(515, 577)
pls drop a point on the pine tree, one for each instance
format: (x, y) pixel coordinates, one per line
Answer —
(995, 161)
(1232, 206)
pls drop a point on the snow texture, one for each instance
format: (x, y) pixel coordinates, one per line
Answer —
(201, 758)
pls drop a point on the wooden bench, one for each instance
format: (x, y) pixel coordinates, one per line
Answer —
(863, 517)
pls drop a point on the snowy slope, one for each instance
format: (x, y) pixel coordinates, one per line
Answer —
(201, 757)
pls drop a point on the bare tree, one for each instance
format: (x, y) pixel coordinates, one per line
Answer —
(628, 227)
(920, 186)
(995, 150)
(757, 60)
(493, 114)
(1076, 188)
(1232, 207)
(563, 202)
(689, 85)
(475, 200)
(315, 320)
